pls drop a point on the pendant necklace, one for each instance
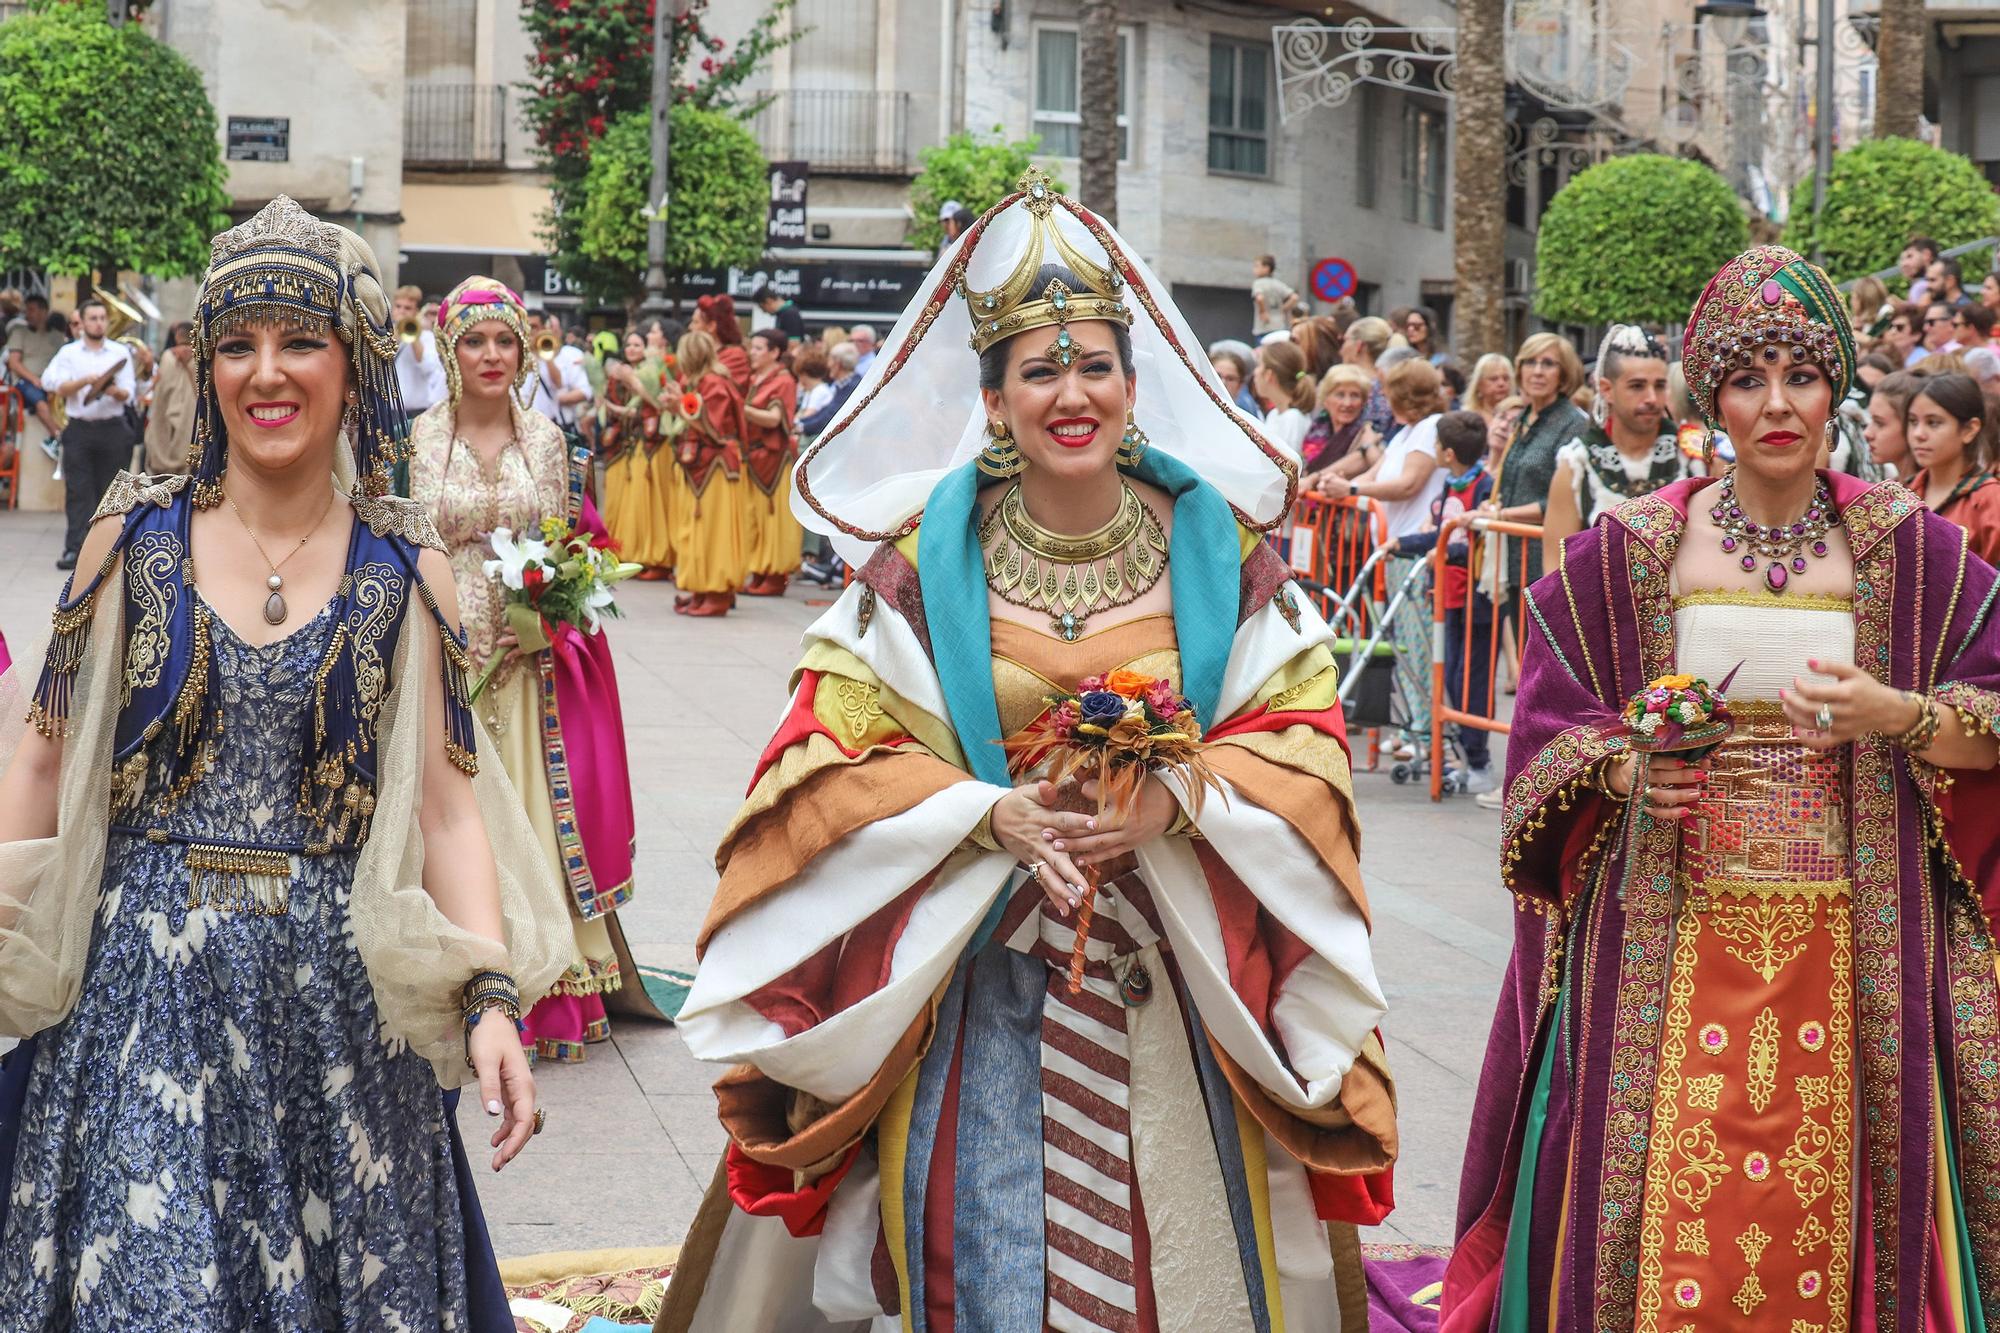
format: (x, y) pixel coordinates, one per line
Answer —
(275, 609)
(1784, 545)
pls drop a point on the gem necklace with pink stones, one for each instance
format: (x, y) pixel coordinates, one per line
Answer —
(1784, 545)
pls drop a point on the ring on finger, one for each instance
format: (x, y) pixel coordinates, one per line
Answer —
(1034, 869)
(1824, 717)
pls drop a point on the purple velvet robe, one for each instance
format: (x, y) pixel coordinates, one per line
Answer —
(1595, 931)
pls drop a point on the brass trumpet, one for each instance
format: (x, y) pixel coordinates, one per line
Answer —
(408, 329)
(547, 345)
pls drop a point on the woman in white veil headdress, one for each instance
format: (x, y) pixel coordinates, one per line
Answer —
(927, 1124)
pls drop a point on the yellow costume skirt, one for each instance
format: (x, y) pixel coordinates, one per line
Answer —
(511, 708)
(773, 538)
(708, 533)
(635, 507)
(1749, 1199)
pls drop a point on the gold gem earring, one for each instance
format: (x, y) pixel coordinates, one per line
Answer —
(1132, 447)
(1002, 456)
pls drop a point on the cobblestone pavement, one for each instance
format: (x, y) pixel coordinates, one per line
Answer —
(632, 1139)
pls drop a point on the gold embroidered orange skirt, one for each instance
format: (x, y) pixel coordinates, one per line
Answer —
(1749, 1207)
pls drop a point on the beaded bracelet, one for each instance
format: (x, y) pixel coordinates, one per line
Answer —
(488, 990)
(1923, 732)
(1599, 779)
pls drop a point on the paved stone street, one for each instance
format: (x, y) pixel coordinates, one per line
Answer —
(632, 1139)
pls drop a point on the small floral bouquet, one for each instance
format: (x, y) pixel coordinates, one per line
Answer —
(1115, 729)
(1678, 714)
(559, 576)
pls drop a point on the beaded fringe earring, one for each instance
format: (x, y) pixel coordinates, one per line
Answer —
(1002, 456)
(1132, 447)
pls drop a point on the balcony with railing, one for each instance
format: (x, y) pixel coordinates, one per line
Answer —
(454, 126)
(860, 133)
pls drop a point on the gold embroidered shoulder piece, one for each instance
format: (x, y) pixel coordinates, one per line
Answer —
(393, 516)
(129, 490)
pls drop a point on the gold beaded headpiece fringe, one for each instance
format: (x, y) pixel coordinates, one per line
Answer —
(288, 267)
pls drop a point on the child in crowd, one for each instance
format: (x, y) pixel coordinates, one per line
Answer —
(1468, 613)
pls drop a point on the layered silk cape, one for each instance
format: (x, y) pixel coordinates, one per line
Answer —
(857, 883)
(1567, 1094)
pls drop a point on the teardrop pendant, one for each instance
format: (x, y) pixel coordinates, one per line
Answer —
(275, 609)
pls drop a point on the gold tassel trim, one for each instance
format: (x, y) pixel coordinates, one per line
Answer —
(239, 879)
(69, 638)
(462, 759)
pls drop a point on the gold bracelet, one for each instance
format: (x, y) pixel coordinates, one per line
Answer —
(1923, 732)
(1601, 780)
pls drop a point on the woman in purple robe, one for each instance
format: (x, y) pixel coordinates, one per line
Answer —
(1746, 1066)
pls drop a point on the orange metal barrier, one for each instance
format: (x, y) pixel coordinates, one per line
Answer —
(1328, 543)
(13, 426)
(1480, 529)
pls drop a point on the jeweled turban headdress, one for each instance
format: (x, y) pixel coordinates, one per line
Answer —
(1763, 301)
(1016, 306)
(475, 301)
(286, 265)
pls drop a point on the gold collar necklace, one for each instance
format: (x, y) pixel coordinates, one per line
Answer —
(1072, 578)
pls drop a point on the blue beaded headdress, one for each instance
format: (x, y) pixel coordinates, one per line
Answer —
(288, 266)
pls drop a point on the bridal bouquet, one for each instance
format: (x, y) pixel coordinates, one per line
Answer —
(1115, 729)
(559, 576)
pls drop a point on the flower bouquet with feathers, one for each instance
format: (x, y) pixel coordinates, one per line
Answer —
(1679, 715)
(1114, 730)
(559, 576)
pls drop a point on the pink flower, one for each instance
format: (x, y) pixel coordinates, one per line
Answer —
(1160, 697)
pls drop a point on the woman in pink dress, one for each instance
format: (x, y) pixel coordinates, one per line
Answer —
(481, 462)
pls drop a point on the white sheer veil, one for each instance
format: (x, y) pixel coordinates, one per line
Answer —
(917, 415)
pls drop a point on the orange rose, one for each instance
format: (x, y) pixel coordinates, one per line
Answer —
(1127, 684)
(690, 405)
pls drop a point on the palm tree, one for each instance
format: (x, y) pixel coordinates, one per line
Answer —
(1097, 107)
(1899, 47)
(1479, 179)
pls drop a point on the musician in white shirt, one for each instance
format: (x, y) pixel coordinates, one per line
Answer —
(562, 386)
(93, 377)
(419, 372)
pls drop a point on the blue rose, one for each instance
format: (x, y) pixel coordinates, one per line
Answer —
(1102, 708)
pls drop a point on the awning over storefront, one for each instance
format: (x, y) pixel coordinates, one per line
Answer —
(477, 216)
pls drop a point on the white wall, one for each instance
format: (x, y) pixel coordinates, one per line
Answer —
(336, 70)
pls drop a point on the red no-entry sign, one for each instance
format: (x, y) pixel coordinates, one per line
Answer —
(1332, 279)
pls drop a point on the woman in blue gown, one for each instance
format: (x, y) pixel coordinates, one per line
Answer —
(245, 990)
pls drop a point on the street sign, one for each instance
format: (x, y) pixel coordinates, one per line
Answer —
(786, 225)
(1332, 279)
(260, 138)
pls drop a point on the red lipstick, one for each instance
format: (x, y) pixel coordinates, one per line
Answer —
(1078, 441)
(291, 411)
(1780, 439)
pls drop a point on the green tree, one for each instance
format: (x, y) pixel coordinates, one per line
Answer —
(1634, 240)
(593, 65)
(1879, 194)
(716, 190)
(111, 158)
(977, 172)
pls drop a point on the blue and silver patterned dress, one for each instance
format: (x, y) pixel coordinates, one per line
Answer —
(218, 1137)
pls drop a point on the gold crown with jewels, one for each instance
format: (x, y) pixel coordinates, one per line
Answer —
(1015, 306)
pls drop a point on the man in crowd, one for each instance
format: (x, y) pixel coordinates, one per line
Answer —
(843, 362)
(562, 385)
(1272, 303)
(784, 314)
(93, 377)
(31, 343)
(419, 373)
(1972, 325)
(1944, 281)
(1936, 330)
(1914, 263)
(954, 218)
(863, 338)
